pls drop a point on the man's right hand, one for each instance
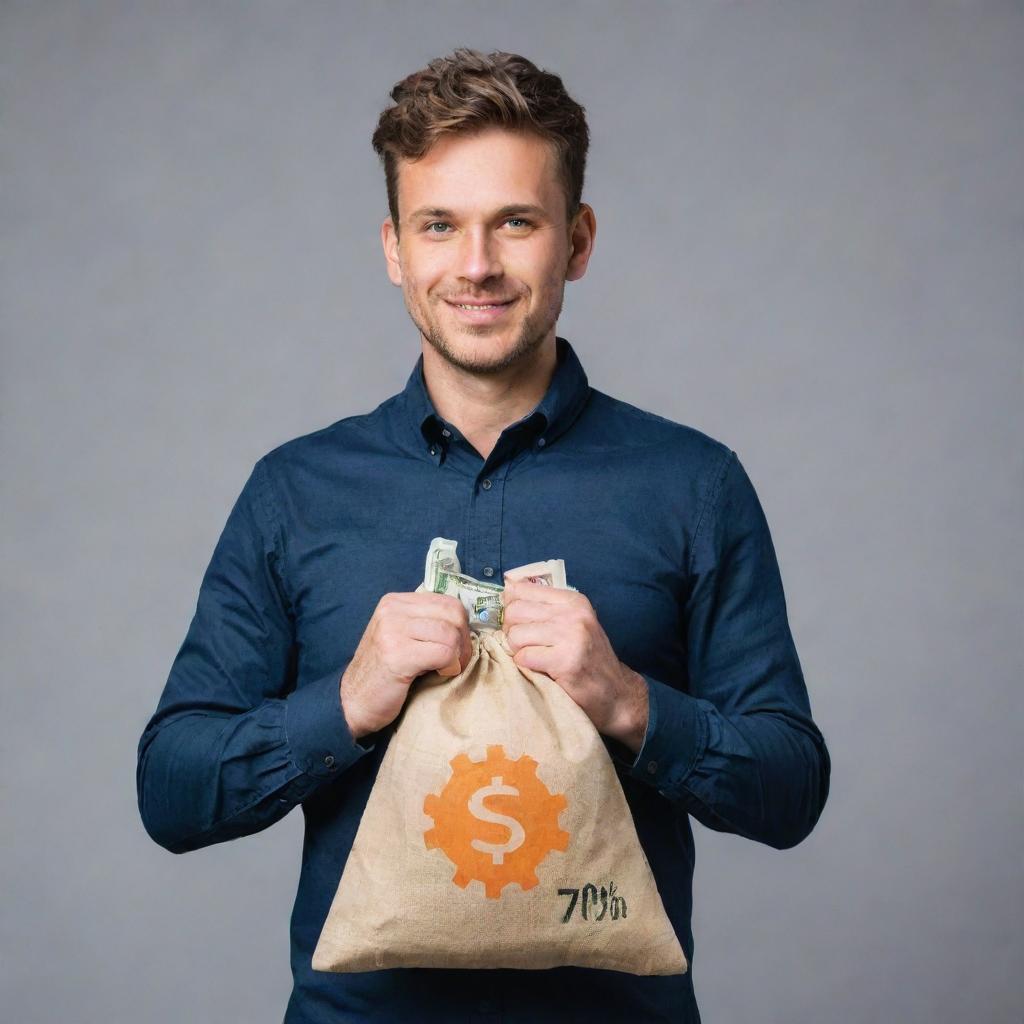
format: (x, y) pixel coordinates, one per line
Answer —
(407, 635)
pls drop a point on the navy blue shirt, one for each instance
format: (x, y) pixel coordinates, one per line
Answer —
(659, 527)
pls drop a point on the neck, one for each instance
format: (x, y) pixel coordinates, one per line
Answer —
(481, 406)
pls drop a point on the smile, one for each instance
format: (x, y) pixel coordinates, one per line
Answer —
(482, 312)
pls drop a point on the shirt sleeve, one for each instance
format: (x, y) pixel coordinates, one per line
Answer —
(233, 745)
(740, 750)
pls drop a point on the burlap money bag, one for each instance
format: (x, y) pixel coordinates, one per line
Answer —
(496, 835)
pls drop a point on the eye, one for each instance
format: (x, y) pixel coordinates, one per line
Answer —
(518, 222)
(436, 224)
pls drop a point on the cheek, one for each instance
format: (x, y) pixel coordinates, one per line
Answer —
(414, 285)
(423, 266)
(548, 272)
(430, 277)
(549, 292)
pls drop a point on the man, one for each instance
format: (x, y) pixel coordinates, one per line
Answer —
(308, 633)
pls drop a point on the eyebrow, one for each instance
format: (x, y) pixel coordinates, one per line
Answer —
(512, 210)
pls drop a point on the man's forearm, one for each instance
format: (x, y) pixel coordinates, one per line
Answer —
(206, 778)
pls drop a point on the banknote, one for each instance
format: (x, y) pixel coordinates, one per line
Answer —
(551, 573)
(483, 601)
(441, 557)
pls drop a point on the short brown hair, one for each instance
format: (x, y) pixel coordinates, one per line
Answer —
(469, 91)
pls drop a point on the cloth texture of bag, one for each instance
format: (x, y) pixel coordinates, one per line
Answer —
(496, 835)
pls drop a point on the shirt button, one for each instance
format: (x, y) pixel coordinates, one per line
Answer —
(488, 570)
(446, 432)
(652, 767)
(486, 485)
(541, 443)
(433, 450)
(329, 760)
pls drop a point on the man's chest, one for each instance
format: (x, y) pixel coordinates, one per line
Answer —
(362, 532)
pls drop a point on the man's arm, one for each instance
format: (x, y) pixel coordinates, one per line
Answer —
(740, 751)
(233, 746)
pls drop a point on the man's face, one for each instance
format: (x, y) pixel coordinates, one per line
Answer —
(484, 248)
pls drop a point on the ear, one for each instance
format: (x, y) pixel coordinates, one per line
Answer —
(389, 240)
(581, 242)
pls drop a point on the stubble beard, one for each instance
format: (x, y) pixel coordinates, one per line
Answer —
(533, 330)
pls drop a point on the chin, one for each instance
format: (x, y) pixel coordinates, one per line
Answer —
(487, 355)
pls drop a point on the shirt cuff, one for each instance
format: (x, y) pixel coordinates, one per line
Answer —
(674, 741)
(318, 735)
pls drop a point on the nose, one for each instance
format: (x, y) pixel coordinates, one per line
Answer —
(480, 256)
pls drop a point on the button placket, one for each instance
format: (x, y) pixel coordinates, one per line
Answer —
(487, 512)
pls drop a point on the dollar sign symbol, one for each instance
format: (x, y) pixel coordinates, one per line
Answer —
(516, 836)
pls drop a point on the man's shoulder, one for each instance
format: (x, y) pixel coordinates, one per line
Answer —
(615, 423)
(344, 435)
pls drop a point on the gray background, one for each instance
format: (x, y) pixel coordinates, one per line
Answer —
(809, 245)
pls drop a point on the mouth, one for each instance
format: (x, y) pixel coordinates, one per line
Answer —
(481, 312)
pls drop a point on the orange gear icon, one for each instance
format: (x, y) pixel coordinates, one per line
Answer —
(505, 839)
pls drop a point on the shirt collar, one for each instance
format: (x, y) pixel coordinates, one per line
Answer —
(563, 401)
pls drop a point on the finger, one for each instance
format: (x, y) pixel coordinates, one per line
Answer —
(527, 634)
(452, 612)
(433, 630)
(451, 608)
(538, 659)
(437, 657)
(445, 608)
(427, 599)
(453, 668)
(522, 610)
(412, 656)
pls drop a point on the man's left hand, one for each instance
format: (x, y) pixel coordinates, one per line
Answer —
(556, 632)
